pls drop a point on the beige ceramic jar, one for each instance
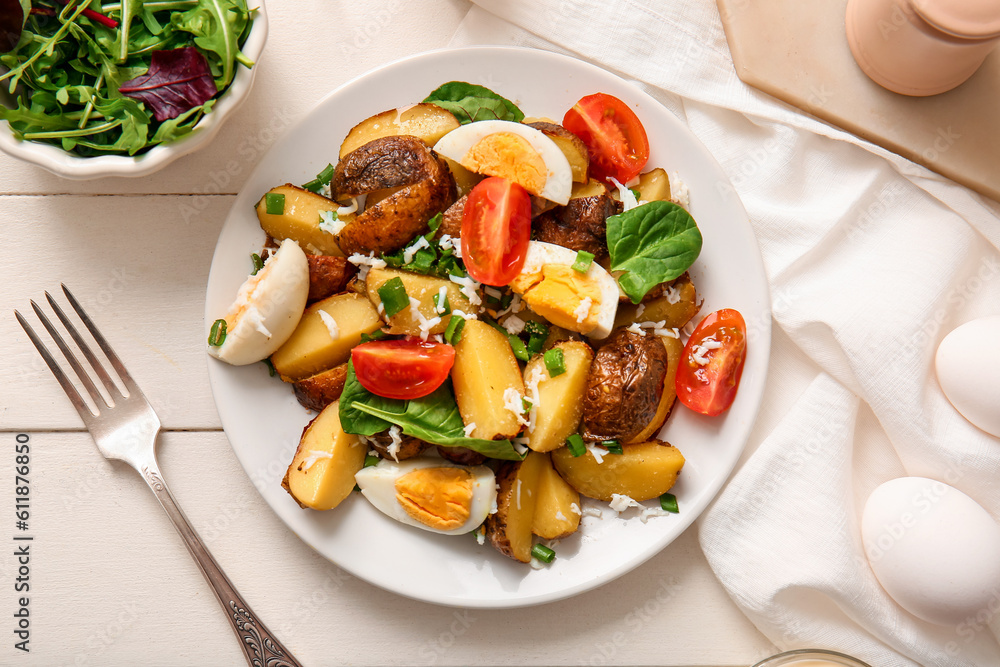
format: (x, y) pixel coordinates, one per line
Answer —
(922, 47)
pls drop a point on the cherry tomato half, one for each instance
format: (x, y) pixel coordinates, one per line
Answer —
(712, 363)
(615, 138)
(496, 229)
(406, 368)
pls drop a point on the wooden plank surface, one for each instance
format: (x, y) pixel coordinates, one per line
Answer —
(111, 582)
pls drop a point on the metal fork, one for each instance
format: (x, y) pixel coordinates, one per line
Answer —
(125, 428)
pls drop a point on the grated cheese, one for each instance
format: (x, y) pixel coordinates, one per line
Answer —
(412, 249)
(620, 502)
(446, 242)
(519, 493)
(515, 306)
(560, 516)
(469, 428)
(469, 287)
(669, 333)
(592, 511)
(640, 310)
(673, 295)
(513, 324)
(480, 537)
(366, 263)
(442, 298)
(425, 324)
(583, 309)
(636, 329)
(347, 210)
(653, 325)
(331, 324)
(253, 316)
(698, 352)
(628, 199)
(648, 512)
(597, 452)
(393, 448)
(531, 386)
(679, 193)
(575, 509)
(330, 223)
(312, 456)
(513, 401)
(464, 315)
(493, 292)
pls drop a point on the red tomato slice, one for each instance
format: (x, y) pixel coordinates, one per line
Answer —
(496, 229)
(407, 368)
(615, 138)
(720, 341)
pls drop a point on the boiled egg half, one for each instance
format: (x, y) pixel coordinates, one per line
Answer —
(581, 302)
(513, 151)
(429, 493)
(267, 308)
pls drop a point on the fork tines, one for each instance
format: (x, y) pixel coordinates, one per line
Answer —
(98, 398)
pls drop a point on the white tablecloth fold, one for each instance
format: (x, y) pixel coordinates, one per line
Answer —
(871, 261)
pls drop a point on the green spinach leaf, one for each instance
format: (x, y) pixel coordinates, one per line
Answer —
(652, 243)
(470, 103)
(434, 418)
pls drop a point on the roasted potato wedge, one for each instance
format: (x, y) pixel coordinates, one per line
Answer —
(557, 506)
(461, 455)
(591, 188)
(320, 390)
(427, 188)
(428, 122)
(560, 403)
(408, 448)
(322, 471)
(328, 275)
(485, 367)
(451, 221)
(423, 289)
(509, 528)
(571, 145)
(674, 303)
(643, 471)
(300, 220)
(674, 348)
(654, 185)
(313, 349)
(624, 386)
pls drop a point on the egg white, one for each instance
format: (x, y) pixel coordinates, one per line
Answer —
(378, 485)
(559, 181)
(541, 253)
(267, 308)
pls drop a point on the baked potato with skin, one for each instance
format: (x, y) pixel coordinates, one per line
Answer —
(642, 471)
(674, 348)
(328, 275)
(461, 455)
(571, 145)
(509, 528)
(320, 390)
(426, 121)
(579, 225)
(675, 303)
(451, 221)
(426, 188)
(624, 386)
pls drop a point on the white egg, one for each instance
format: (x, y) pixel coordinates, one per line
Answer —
(267, 308)
(539, 166)
(557, 297)
(968, 369)
(934, 549)
(430, 493)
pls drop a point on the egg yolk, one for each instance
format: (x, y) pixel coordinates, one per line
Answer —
(437, 497)
(509, 156)
(558, 293)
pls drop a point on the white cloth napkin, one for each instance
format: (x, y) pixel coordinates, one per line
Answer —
(871, 260)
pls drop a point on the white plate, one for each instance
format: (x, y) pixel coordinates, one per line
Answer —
(263, 420)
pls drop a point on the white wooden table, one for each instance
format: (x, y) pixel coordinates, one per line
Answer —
(110, 581)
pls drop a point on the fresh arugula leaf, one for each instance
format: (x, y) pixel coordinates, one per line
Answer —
(216, 25)
(469, 103)
(652, 243)
(434, 418)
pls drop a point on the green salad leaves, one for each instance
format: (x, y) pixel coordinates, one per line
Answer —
(434, 418)
(109, 79)
(652, 244)
(470, 103)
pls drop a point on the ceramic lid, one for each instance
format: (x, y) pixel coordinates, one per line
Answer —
(972, 19)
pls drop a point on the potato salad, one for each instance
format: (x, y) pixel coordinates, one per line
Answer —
(492, 316)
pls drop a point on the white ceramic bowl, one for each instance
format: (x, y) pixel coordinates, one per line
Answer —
(59, 162)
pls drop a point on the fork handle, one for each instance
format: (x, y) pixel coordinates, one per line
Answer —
(260, 647)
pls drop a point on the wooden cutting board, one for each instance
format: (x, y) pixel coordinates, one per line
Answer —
(797, 51)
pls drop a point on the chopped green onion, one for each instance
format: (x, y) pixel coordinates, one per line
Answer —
(274, 203)
(532, 328)
(505, 300)
(575, 445)
(371, 460)
(433, 225)
(583, 261)
(378, 334)
(258, 263)
(636, 194)
(516, 344)
(322, 178)
(668, 502)
(393, 295)
(526, 405)
(453, 332)
(542, 553)
(217, 335)
(445, 308)
(270, 366)
(613, 446)
(538, 333)
(555, 362)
